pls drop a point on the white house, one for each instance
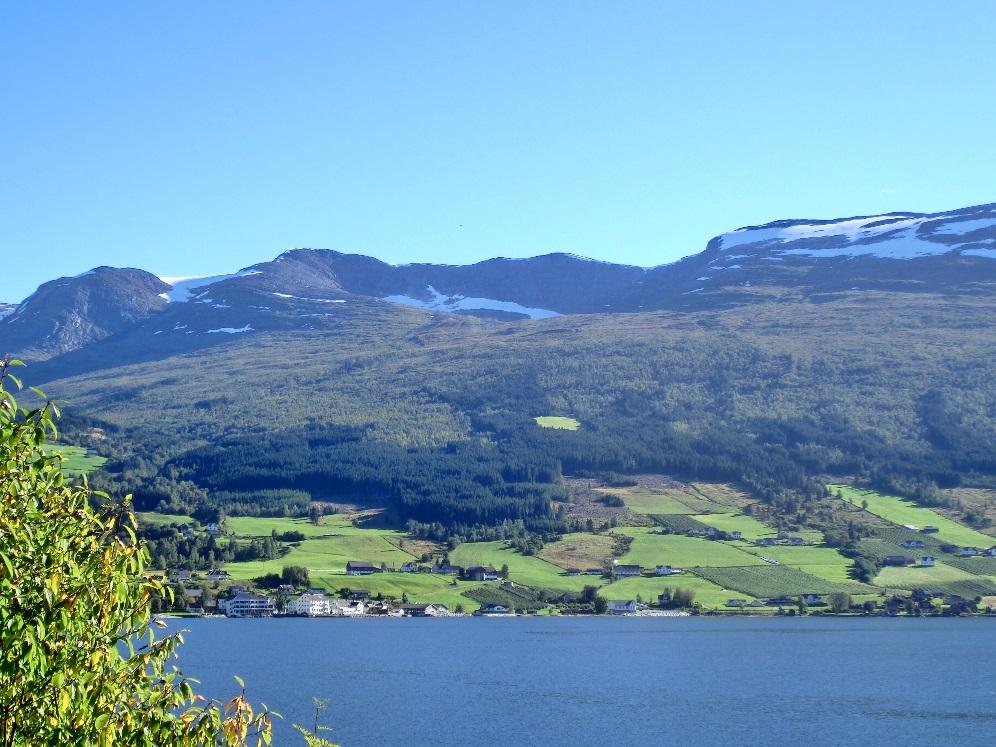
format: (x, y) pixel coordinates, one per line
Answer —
(666, 570)
(409, 567)
(246, 604)
(620, 607)
(967, 552)
(216, 574)
(736, 535)
(310, 605)
(927, 561)
(494, 609)
(347, 608)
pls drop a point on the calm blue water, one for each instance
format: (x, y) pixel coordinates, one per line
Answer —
(593, 681)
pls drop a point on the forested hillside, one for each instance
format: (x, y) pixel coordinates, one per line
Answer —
(433, 416)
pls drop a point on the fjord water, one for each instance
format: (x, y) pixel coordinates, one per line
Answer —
(592, 681)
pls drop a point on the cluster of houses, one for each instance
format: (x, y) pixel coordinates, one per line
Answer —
(706, 533)
(782, 539)
(623, 570)
(317, 603)
(929, 561)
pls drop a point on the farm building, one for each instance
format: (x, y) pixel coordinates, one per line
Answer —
(481, 573)
(361, 568)
(624, 570)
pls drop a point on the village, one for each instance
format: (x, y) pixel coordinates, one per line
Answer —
(240, 601)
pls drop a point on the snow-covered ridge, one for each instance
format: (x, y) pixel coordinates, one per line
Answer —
(896, 236)
(183, 287)
(440, 302)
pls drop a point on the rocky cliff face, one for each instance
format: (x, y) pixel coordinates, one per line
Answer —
(69, 313)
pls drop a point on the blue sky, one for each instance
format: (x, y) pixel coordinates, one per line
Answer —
(194, 138)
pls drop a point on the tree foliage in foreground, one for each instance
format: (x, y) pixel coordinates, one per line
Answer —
(80, 660)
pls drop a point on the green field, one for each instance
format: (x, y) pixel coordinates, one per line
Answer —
(941, 577)
(908, 514)
(707, 593)
(649, 549)
(150, 518)
(650, 501)
(977, 566)
(579, 550)
(729, 522)
(75, 459)
(557, 422)
(251, 526)
(775, 580)
(421, 588)
(522, 569)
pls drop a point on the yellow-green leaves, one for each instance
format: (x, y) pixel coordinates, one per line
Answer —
(79, 663)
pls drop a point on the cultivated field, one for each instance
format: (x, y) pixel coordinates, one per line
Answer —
(732, 522)
(707, 593)
(941, 577)
(649, 549)
(522, 569)
(908, 514)
(579, 550)
(776, 580)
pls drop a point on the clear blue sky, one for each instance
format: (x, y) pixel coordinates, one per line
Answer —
(198, 137)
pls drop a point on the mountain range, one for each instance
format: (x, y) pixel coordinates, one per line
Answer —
(781, 355)
(791, 260)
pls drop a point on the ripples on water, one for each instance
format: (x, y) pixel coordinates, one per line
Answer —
(594, 681)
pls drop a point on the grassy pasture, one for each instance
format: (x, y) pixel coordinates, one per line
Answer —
(151, 518)
(649, 549)
(977, 566)
(650, 500)
(906, 513)
(731, 522)
(939, 577)
(253, 526)
(76, 460)
(327, 555)
(579, 550)
(557, 422)
(775, 580)
(522, 569)
(421, 588)
(707, 593)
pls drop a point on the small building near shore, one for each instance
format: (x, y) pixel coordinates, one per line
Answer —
(247, 604)
(621, 607)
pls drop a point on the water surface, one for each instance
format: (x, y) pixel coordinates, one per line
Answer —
(588, 681)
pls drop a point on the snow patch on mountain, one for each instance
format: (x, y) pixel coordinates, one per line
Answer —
(898, 236)
(183, 286)
(441, 302)
(231, 330)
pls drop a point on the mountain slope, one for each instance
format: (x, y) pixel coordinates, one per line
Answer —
(70, 313)
(787, 261)
(780, 355)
